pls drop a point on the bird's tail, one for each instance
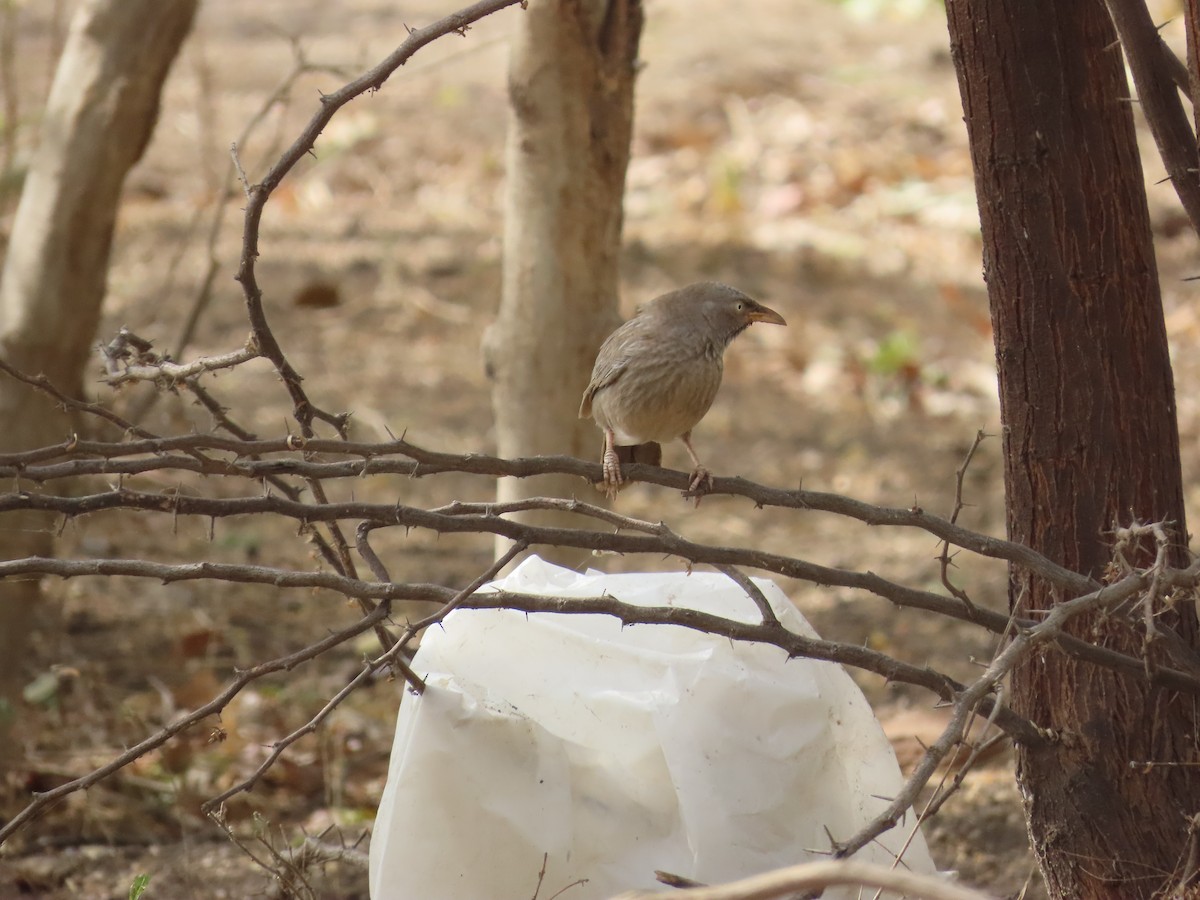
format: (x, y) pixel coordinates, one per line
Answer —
(649, 454)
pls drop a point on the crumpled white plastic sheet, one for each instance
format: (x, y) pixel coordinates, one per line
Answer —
(614, 751)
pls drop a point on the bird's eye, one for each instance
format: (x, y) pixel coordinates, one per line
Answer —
(741, 306)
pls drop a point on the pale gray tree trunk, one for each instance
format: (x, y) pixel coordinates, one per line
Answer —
(101, 111)
(571, 79)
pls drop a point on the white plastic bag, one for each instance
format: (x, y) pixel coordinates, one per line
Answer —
(611, 752)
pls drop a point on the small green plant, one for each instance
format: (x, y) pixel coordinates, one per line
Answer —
(898, 354)
(140, 883)
(43, 690)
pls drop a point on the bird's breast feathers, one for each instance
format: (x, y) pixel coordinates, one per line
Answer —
(657, 402)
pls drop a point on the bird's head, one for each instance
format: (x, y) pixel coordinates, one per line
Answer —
(723, 311)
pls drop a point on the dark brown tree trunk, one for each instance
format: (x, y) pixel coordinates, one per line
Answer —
(1088, 409)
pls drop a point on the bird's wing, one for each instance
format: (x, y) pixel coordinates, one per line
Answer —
(607, 370)
(616, 354)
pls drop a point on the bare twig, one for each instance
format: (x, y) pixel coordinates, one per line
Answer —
(1023, 643)
(285, 873)
(390, 657)
(165, 373)
(463, 596)
(1156, 82)
(753, 592)
(258, 194)
(944, 559)
(367, 552)
(817, 876)
(278, 748)
(213, 707)
(1190, 871)
(218, 412)
(301, 66)
(42, 383)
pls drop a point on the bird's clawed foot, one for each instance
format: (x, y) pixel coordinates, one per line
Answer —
(702, 481)
(700, 484)
(612, 473)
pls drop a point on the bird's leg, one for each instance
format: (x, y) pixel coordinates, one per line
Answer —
(701, 478)
(612, 465)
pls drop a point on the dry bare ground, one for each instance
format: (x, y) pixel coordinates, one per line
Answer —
(813, 158)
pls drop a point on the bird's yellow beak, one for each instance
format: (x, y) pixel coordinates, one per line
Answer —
(766, 314)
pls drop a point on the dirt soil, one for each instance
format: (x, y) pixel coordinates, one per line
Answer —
(810, 153)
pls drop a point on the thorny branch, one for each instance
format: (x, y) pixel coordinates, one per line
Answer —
(391, 656)
(1156, 75)
(945, 560)
(279, 96)
(657, 539)
(128, 361)
(79, 457)
(243, 460)
(131, 358)
(966, 698)
(257, 195)
(212, 708)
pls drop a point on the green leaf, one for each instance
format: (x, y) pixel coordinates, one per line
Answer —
(42, 691)
(897, 352)
(140, 883)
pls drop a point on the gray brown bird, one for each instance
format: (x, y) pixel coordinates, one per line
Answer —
(656, 376)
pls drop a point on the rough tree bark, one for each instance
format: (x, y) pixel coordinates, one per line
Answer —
(101, 111)
(1090, 438)
(570, 81)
